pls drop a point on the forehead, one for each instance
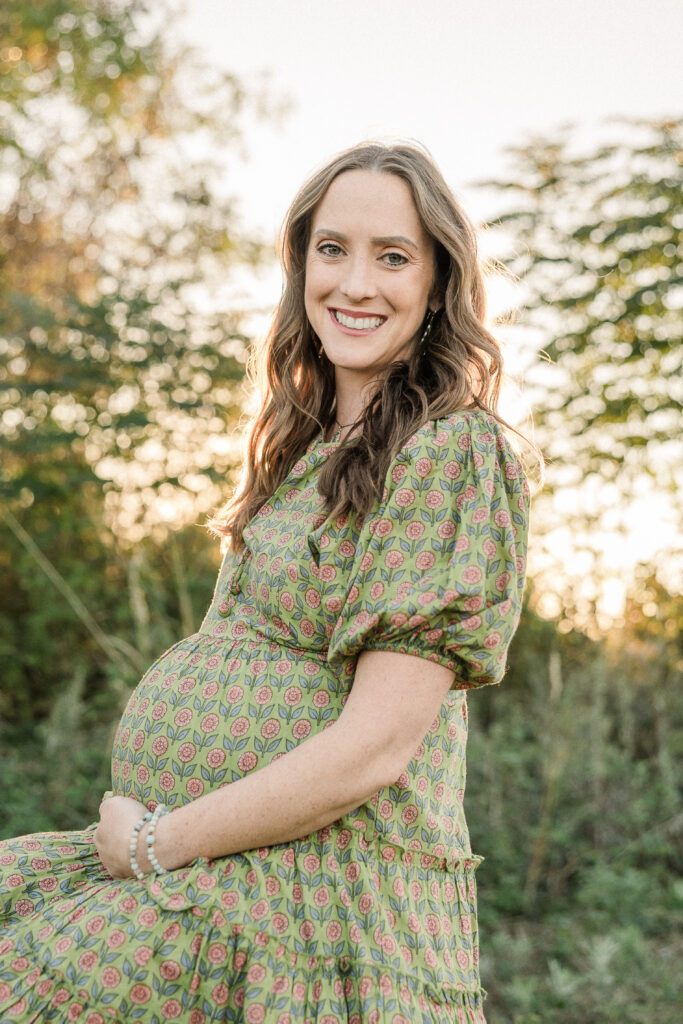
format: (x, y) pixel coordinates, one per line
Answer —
(369, 203)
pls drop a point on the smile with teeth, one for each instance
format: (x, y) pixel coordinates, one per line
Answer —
(358, 323)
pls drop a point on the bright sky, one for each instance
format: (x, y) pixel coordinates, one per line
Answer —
(465, 77)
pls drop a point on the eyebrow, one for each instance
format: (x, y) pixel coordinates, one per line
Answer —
(383, 240)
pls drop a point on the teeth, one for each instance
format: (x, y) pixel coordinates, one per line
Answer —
(366, 323)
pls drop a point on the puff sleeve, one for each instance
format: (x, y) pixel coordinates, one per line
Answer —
(440, 566)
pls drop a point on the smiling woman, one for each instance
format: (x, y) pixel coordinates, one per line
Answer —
(285, 840)
(362, 280)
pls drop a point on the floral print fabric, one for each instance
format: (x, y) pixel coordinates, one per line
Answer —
(370, 920)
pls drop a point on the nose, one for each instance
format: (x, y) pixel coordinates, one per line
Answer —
(358, 281)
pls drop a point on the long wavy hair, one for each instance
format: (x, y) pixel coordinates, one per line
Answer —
(460, 367)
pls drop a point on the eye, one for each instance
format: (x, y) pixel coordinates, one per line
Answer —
(393, 259)
(326, 246)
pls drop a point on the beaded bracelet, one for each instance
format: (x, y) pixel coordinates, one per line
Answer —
(140, 875)
(150, 838)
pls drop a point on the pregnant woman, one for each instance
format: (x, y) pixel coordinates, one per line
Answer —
(285, 838)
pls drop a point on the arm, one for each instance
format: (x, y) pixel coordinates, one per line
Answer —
(392, 703)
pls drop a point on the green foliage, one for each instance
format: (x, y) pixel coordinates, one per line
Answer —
(572, 798)
(596, 241)
(117, 394)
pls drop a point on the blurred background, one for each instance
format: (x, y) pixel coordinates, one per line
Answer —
(148, 153)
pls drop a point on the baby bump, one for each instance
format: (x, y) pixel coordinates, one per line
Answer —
(207, 713)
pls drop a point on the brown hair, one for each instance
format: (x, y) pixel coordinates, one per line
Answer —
(460, 366)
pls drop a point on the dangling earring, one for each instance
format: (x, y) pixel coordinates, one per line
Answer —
(318, 346)
(425, 333)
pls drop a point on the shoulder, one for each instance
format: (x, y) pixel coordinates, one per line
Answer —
(462, 453)
(465, 434)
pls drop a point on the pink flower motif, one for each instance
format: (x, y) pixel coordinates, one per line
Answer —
(347, 549)
(220, 994)
(116, 938)
(141, 955)
(333, 931)
(432, 924)
(502, 581)
(215, 758)
(87, 960)
(159, 710)
(111, 977)
(160, 746)
(170, 970)
(502, 517)
(466, 924)
(301, 729)
(247, 761)
(187, 684)
(414, 530)
(394, 559)
(472, 623)
(462, 543)
(409, 814)
(452, 470)
(492, 640)
(209, 723)
(434, 499)
(311, 862)
(423, 467)
(414, 923)
(307, 627)
(321, 896)
(366, 903)
(292, 695)
(217, 953)
(352, 871)
(404, 497)
(256, 974)
(382, 527)
(306, 930)
(270, 728)
(166, 781)
(240, 726)
(140, 994)
(398, 472)
(472, 574)
(425, 560)
(147, 918)
(312, 597)
(171, 1009)
(183, 717)
(194, 788)
(321, 698)
(287, 601)
(138, 739)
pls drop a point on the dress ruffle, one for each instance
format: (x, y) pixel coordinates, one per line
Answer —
(240, 966)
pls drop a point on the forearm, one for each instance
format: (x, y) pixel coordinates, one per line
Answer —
(312, 785)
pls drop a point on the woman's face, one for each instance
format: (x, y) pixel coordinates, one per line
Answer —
(369, 273)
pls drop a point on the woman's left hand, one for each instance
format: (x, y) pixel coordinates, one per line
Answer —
(118, 817)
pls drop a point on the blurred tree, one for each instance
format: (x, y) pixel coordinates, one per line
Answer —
(113, 236)
(121, 350)
(598, 244)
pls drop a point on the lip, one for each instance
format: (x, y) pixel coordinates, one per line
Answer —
(351, 331)
(361, 313)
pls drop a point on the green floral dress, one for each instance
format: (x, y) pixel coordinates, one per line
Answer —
(371, 919)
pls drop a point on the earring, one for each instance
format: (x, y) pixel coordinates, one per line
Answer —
(432, 314)
(318, 346)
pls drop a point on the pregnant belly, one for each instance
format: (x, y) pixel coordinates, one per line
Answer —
(209, 712)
